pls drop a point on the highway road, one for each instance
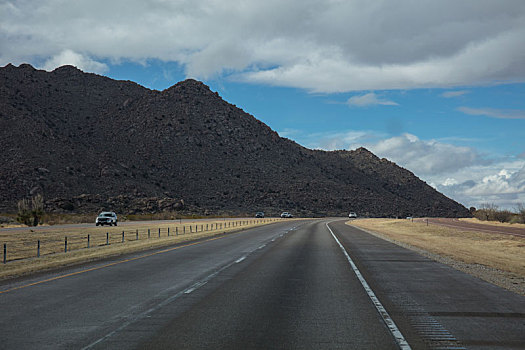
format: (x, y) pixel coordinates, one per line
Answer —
(316, 284)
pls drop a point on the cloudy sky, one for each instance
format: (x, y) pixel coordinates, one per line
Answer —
(436, 86)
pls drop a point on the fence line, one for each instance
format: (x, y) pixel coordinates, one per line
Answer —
(30, 249)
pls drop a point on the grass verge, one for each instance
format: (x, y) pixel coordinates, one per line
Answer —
(492, 223)
(497, 258)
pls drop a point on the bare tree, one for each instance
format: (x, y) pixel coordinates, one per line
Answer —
(521, 212)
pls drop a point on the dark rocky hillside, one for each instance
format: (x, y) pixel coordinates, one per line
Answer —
(87, 142)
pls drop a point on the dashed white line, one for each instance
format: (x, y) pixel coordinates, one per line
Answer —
(195, 286)
(396, 333)
(240, 259)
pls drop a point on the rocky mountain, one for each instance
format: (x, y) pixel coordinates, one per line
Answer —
(87, 142)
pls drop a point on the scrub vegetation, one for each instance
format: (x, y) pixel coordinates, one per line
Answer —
(491, 212)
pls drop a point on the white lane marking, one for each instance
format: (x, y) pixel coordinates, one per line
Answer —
(398, 336)
(240, 259)
(262, 246)
(195, 286)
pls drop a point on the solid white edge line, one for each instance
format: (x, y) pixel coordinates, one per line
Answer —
(396, 333)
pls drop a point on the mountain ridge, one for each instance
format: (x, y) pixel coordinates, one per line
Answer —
(88, 142)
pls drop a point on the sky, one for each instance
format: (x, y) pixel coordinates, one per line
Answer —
(436, 86)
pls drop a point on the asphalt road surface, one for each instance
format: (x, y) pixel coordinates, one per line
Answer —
(288, 285)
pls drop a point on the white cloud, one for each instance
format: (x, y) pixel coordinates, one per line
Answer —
(369, 99)
(460, 173)
(502, 183)
(331, 141)
(325, 46)
(452, 94)
(425, 157)
(494, 113)
(68, 57)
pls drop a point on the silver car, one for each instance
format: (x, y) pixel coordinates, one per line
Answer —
(106, 218)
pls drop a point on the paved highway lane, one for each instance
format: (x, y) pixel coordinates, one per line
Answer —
(432, 302)
(287, 285)
(90, 302)
(270, 287)
(300, 294)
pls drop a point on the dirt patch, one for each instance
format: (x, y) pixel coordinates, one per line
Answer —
(496, 258)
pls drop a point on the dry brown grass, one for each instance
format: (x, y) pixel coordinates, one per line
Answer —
(492, 223)
(22, 245)
(503, 252)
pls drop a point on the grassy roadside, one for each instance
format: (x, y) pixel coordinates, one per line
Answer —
(492, 223)
(501, 256)
(17, 268)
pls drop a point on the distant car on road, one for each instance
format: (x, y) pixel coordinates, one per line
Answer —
(259, 214)
(106, 218)
(352, 215)
(286, 214)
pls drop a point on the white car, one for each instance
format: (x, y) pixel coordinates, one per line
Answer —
(286, 214)
(106, 218)
(352, 215)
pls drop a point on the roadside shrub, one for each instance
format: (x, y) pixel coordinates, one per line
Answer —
(521, 213)
(30, 212)
(24, 212)
(487, 212)
(503, 215)
(490, 212)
